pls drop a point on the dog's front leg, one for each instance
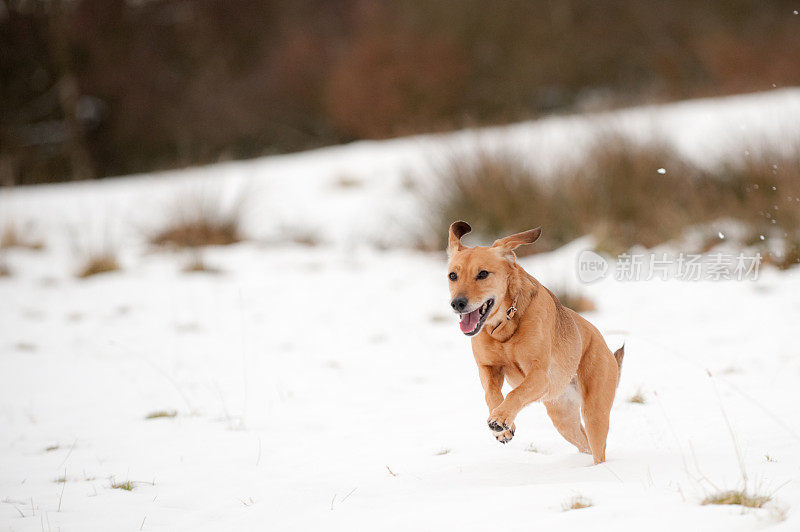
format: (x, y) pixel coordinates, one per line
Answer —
(532, 388)
(492, 382)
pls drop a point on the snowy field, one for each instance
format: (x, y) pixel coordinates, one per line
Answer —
(328, 387)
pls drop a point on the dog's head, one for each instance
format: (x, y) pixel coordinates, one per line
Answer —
(478, 276)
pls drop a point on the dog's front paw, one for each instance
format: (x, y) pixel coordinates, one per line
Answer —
(504, 435)
(502, 425)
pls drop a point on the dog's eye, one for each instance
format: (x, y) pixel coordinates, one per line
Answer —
(453, 276)
(483, 274)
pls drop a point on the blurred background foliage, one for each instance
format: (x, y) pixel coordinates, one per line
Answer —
(92, 88)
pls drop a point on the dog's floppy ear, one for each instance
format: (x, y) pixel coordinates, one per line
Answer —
(508, 244)
(457, 230)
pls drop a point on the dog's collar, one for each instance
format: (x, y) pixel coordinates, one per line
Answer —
(510, 312)
(512, 309)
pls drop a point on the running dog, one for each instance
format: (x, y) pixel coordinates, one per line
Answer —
(522, 334)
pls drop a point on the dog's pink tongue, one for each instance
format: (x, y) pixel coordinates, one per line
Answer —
(469, 321)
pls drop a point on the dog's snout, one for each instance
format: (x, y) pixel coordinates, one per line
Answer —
(459, 303)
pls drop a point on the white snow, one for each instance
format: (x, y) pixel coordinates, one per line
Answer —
(329, 387)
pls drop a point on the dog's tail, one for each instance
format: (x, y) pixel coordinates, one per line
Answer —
(619, 354)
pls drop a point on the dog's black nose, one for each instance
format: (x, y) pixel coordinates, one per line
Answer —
(459, 303)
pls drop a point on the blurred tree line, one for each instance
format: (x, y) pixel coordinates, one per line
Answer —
(92, 88)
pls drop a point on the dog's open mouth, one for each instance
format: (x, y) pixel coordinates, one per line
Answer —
(472, 322)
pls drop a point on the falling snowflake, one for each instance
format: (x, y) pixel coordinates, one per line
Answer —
(662, 171)
(721, 235)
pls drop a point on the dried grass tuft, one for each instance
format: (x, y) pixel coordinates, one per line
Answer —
(127, 485)
(98, 264)
(158, 414)
(201, 220)
(11, 237)
(198, 265)
(638, 398)
(576, 503)
(738, 497)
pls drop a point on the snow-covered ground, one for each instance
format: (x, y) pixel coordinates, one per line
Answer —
(328, 387)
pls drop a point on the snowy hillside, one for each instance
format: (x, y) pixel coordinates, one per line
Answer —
(301, 193)
(328, 387)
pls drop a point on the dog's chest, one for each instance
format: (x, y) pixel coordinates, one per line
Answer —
(516, 358)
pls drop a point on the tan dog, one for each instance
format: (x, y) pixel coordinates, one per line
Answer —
(521, 333)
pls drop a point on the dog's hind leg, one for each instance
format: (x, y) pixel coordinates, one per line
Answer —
(597, 392)
(565, 412)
